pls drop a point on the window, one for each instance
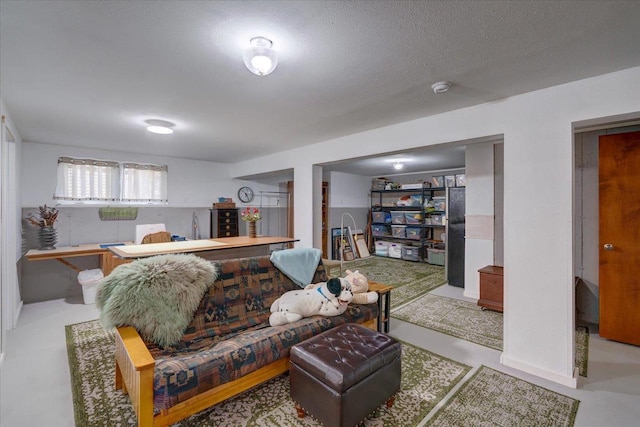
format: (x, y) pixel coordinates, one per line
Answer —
(88, 180)
(144, 183)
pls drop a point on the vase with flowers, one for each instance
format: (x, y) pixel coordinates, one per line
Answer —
(44, 220)
(251, 216)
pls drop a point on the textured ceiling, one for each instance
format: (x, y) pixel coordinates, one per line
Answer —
(90, 73)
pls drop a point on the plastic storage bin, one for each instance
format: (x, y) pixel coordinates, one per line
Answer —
(395, 250)
(438, 220)
(397, 217)
(439, 203)
(414, 233)
(89, 280)
(381, 217)
(382, 248)
(435, 256)
(413, 217)
(411, 253)
(398, 231)
(379, 230)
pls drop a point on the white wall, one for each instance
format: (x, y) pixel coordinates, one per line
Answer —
(479, 215)
(192, 183)
(538, 166)
(10, 229)
(498, 207)
(349, 191)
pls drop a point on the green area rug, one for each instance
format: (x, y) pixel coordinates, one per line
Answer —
(492, 398)
(426, 380)
(409, 279)
(469, 322)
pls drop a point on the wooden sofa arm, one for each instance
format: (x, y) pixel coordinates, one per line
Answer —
(136, 348)
(134, 372)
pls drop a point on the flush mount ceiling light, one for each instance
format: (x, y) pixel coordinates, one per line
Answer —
(260, 58)
(161, 127)
(397, 165)
(441, 87)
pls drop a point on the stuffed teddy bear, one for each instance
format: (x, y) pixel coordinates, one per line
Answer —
(360, 288)
(326, 298)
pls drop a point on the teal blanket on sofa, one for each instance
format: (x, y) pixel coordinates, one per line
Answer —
(299, 264)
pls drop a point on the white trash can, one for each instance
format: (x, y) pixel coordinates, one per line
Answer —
(89, 279)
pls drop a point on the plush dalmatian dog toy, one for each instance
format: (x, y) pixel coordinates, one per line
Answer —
(328, 299)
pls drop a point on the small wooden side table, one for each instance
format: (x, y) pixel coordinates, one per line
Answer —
(383, 316)
(491, 288)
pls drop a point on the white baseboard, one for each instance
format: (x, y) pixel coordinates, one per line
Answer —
(472, 295)
(542, 373)
(17, 315)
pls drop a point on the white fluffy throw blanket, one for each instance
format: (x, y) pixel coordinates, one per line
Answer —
(157, 295)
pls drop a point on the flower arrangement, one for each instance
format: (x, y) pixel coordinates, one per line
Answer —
(46, 217)
(251, 215)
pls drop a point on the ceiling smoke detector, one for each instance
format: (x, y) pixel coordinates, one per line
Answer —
(441, 87)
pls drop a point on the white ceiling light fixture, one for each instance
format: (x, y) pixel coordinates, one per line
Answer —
(441, 87)
(160, 127)
(397, 165)
(260, 58)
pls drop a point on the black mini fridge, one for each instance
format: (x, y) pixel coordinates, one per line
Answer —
(455, 236)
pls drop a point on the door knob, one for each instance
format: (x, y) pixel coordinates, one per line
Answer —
(608, 247)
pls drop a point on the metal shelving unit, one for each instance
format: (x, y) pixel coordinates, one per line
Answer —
(425, 229)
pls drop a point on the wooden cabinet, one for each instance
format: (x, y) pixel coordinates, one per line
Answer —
(224, 223)
(109, 261)
(491, 287)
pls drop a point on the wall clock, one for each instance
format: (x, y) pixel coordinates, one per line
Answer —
(245, 194)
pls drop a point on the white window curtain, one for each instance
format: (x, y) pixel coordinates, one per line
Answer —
(87, 180)
(144, 183)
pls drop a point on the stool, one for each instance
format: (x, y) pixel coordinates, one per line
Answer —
(341, 375)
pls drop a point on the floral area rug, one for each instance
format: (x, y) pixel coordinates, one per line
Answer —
(409, 279)
(492, 398)
(469, 322)
(426, 380)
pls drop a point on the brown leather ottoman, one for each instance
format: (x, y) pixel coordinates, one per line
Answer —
(340, 376)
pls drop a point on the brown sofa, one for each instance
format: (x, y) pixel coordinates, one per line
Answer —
(227, 348)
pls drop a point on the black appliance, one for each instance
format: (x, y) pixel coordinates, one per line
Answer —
(455, 236)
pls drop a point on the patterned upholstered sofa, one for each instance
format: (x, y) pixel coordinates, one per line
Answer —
(227, 348)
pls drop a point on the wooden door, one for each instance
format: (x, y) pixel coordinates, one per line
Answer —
(325, 219)
(619, 207)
